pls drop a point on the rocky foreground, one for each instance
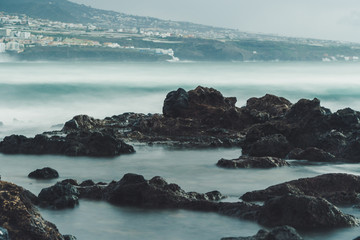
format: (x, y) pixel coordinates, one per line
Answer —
(269, 126)
(296, 208)
(20, 220)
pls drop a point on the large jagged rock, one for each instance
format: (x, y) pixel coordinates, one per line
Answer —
(61, 195)
(337, 188)
(267, 107)
(303, 212)
(74, 144)
(44, 173)
(20, 218)
(176, 103)
(278, 233)
(252, 162)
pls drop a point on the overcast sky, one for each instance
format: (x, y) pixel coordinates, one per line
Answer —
(324, 19)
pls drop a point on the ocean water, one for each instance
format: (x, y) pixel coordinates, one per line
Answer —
(41, 96)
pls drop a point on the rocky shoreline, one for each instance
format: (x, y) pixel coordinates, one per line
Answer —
(269, 126)
(269, 130)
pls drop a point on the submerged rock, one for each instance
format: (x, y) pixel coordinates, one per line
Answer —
(303, 212)
(44, 173)
(20, 218)
(252, 162)
(278, 233)
(337, 188)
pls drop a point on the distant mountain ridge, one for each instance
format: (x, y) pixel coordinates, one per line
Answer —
(70, 12)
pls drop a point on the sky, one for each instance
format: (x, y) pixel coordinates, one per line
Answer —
(322, 19)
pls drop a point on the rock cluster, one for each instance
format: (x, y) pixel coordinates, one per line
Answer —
(79, 143)
(269, 126)
(297, 210)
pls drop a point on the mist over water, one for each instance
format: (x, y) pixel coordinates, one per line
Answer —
(36, 96)
(42, 94)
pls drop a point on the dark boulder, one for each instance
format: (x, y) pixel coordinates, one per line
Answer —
(252, 162)
(87, 183)
(337, 188)
(278, 233)
(345, 119)
(268, 105)
(306, 111)
(44, 173)
(312, 154)
(275, 145)
(59, 196)
(175, 103)
(20, 218)
(81, 122)
(303, 212)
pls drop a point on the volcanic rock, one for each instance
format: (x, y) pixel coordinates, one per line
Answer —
(303, 212)
(337, 188)
(44, 173)
(275, 145)
(312, 154)
(252, 162)
(74, 144)
(59, 196)
(20, 218)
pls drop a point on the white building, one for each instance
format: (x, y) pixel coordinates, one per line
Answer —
(13, 46)
(2, 47)
(5, 32)
(25, 35)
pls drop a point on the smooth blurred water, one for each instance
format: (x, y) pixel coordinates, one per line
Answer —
(36, 96)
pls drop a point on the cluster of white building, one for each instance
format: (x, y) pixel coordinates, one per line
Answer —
(12, 40)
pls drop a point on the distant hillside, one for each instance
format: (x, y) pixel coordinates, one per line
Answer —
(66, 11)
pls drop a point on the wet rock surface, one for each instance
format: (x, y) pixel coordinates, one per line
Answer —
(252, 162)
(278, 233)
(44, 173)
(74, 144)
(20, 218)
(337, 188)
(61, 195)
(303, 212)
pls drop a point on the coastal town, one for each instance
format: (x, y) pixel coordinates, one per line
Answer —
(19, 32)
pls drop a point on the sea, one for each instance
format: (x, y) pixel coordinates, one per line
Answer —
(41, 96)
